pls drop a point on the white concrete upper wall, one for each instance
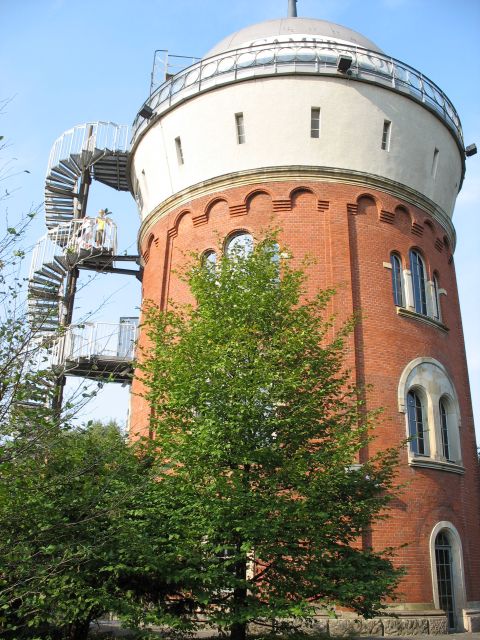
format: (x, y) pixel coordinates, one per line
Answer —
(277, 114)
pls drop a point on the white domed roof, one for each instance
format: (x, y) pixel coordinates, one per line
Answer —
(285, 28)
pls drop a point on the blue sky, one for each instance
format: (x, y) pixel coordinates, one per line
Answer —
(66, 62)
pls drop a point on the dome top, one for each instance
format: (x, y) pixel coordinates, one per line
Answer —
(284, 28)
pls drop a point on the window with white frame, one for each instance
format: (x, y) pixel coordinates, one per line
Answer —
(412, 292)
(315, 122)
(397, 283)
(428, 399)
(445, 439)
(417, 424)
(436, 298)
(418, 271)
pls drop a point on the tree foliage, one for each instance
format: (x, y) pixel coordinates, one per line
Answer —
(78, 535)
(257, 434)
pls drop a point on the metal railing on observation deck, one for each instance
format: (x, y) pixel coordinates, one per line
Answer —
(95, 340)
(302, 57)
(74, 242)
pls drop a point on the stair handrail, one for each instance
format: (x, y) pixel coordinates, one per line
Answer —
(93, 340)
(80, 239)
(88, 137)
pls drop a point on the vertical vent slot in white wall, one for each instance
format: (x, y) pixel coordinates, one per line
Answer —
(387, 129)
(435, 163)
(240, 127)
(178, 147)
(315, 122)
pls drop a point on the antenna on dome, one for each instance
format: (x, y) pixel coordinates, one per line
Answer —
(292, 8)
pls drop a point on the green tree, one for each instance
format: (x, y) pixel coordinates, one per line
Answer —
(78, 535)
(80, 528)
(258, 432)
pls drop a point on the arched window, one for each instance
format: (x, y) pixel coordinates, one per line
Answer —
(209, 259)
(417, 268)
(448, 579)
(239, 245)
(445, 440)
(444, 564)
(398, 297)
(436, 298)
(417, 424)
(428, 398)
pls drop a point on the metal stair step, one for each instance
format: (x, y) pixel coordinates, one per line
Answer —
(55, 266)
(65, 168)
(53, 280)
(43, 294)
(43, 307)
(58, 174)
(60, 203)
(55, 197)
(71, 164)
(58, 180)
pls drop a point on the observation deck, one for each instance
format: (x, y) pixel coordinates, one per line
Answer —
(80, 243)
(299, 56)
(97, 350)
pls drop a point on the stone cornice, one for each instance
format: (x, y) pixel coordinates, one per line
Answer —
(300, 173)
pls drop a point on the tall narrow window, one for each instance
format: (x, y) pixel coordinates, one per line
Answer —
(387, 126)
(240, 125)
(416, 424)
(397, 280)
(315, 122)
(178, 147)
(435, 163)
(444, 429)
(417, 268)
(436, 299)
(444, 563)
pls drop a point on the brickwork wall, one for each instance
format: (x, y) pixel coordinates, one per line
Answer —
(348, 232)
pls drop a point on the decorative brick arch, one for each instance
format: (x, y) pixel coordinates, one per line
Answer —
(368, 204)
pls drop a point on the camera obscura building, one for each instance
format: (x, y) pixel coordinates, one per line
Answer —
(307, 126)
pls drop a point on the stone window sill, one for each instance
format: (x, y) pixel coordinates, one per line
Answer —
(439, 465)
(407, 313)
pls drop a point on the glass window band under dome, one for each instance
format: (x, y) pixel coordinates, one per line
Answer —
(306, 56)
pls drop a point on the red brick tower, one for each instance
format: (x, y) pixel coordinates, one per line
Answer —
(307, 126)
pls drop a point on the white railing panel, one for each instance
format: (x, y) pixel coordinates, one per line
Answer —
(95, 340)
(78, 240)
(88, 137)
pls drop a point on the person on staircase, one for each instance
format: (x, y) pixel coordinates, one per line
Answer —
(103, 225)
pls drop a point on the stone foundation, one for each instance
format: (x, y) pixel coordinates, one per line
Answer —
(399, 623)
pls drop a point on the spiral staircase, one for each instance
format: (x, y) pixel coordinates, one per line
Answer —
(97, 151)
